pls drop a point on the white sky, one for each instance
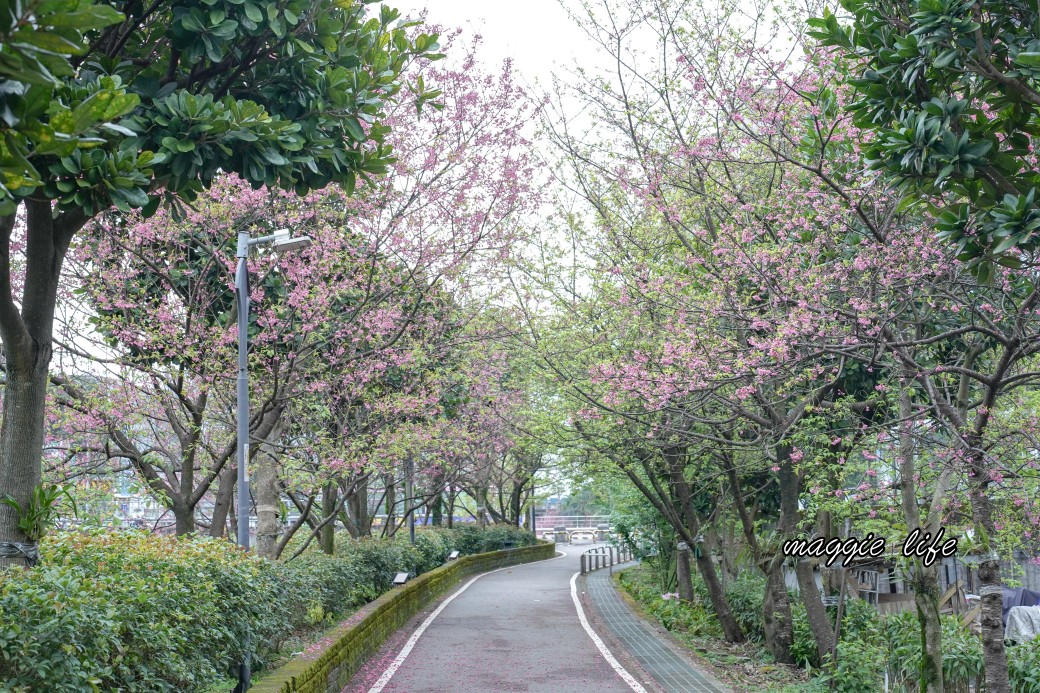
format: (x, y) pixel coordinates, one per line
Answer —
(537, 34)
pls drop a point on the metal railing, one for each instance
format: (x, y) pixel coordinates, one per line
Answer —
(604, 557)
(574, 521)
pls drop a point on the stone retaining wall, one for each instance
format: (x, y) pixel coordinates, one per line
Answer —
(346, 648)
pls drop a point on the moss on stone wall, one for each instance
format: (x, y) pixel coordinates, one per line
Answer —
(358, 638)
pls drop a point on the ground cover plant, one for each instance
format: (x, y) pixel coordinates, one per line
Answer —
(870, 645)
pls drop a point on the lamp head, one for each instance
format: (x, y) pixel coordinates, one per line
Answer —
(283, 242)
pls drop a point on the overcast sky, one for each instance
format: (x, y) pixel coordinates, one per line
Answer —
(537, 34)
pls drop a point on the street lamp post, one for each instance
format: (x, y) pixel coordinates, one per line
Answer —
(534, 504)
(282, 242)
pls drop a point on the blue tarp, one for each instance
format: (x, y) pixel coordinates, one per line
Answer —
(1018, 597)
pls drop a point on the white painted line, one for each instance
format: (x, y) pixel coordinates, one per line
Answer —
(378, 686)
(615, 665)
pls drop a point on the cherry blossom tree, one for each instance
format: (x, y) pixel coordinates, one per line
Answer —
(349, 339)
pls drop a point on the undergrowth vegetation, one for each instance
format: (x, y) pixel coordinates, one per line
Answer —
(133, 611)
(870, 645)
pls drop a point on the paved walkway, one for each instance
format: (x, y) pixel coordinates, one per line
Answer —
(671, 670)
(522, 628)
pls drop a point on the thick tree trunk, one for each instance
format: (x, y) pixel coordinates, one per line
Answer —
(683, 578)
(514, 505)
(482, 517)
(991, 591)
(26, 331)
(266, 489)
(329, 501)
(926, 598)
(994, 655)
(21, 440)
(776, 614)
(184, 517)
(222, 501)
(358, 504)
(437, 512)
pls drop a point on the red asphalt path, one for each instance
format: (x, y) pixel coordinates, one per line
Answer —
(515, 629)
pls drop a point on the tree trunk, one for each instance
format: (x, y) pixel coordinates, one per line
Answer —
(926, 580)
(994, 655)
(683, 577)
(926, 597)
(689, 529)
(516, 504)
(184, 517)
(358, 504)
(26, 331)
(815, 611)
(232, 518)
(21, 441)
(730, 628)
(437, 512)
(391, 505)
(266, 488)
(776, 613)
(482, 516)
(778, 625)
(329, 501)
(222, 501)
(819, 623)
(991, 586)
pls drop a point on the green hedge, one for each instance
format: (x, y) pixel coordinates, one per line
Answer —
(132, 611)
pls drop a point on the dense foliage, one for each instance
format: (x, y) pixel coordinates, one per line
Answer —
(950, 92)
(133, 611)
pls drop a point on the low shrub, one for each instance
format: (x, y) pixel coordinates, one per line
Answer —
(803, 644)
(860, 623)
(860, 668)
(694, 619)
(57, 627)
(133, 611)
(962, 651)
(745, 596)
(1024, 666)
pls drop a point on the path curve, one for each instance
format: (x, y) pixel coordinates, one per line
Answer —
(513, 629)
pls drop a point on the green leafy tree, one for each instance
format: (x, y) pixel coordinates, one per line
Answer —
(135, 104)
(949, 92)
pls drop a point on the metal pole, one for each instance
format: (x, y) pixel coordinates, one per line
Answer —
(534, 530)
(242, 295)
